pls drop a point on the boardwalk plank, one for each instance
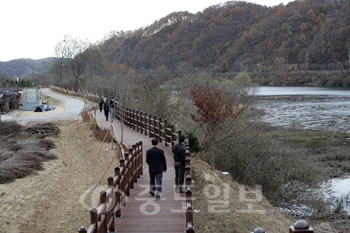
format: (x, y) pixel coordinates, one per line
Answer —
(142, 212)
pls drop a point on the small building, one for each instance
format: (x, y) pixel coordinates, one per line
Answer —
(31, 99)
(9, 100)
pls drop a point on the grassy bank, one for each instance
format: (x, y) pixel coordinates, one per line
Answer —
(316, 156)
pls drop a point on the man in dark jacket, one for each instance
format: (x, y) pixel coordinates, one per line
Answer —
(100, 102)
(106, 108)
(155, 159)
(179, 152)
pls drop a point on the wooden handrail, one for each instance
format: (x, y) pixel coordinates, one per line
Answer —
(131, 165)
(188, 190)
(102, 217)
(132, 168)
(141, 122)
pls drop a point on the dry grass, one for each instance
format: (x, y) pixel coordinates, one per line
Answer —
(323, 151)
(212, 187)
(219, 207)
(23, 149)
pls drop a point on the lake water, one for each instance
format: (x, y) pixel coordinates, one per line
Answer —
(310, 108)
(305, 107)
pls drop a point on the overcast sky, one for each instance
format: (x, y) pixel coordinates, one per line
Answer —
(32, 28)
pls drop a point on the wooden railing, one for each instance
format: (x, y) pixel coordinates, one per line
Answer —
(95, 91)
(102, 217)
(148, 125)
(300, 226)
(139, 121)
(188, 190)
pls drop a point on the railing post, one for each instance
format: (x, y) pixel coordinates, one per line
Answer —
(145, 125)
(93, 216)
(150, 133)
(188, 193)
(122, 162)
(116, 171)
(165, 132)
(138, 121)
(141, 123)
(127, 173)
(154, 127)
(300, 226)
(134, 122)
(137, 161)
(178, 135)
(160, 129)
(134, 164)
(123, 175)
(187, 161)
(188, 181)
(187, 170)
(131, 166)
(117, 193)
(189, 220)
(111, 213)
(259, 230)
(128, 117)
(172, 136)
(82, 229)
(141, 158)
(103, 201)
(110, 181)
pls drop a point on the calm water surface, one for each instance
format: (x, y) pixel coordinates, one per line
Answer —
(310, 108)
(305, 107)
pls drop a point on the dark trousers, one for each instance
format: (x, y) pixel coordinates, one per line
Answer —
(179, 175)
(155, 183)
(100, 105)
(106, 114)
(112, 114)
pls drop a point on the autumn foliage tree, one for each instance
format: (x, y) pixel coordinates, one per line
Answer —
(217, 103)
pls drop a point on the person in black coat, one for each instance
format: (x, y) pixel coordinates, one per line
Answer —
(155, 159)
(179, 152)
(100, 102)
(106, 108)
(112, 109)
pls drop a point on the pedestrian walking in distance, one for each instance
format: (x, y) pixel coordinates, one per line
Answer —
(179, 153)
(100, 102)
(155, 159)
(112, 109)
(106, 108)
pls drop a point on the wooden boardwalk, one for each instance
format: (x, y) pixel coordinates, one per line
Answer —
(142, 213)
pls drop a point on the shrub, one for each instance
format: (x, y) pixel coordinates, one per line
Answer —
(194, 142)
(102, 134)
(23, 151)
(9, 127)
(93, 123)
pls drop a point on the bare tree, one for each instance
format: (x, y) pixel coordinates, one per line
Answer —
(60, 62)
(71, 50)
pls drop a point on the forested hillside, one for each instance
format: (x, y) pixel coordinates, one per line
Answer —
(308, 35)
(23, 67)
(301, 38)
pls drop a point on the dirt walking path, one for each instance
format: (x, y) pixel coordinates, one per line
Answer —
(59, 197)
(53, 199)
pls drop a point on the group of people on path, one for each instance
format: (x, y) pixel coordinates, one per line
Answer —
(155, 156)
(107, 105)
(156, 161)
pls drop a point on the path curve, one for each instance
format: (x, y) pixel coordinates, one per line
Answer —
(70, 109)
(55, 197)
